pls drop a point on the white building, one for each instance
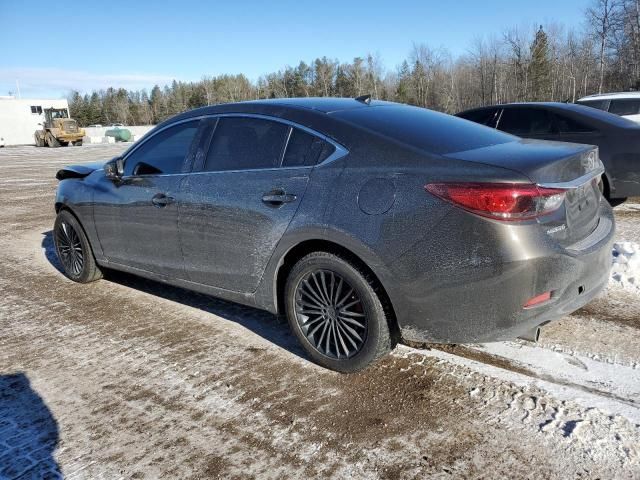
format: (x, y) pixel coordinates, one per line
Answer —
(19, 118)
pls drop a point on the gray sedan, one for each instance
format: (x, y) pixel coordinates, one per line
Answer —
(364, 222)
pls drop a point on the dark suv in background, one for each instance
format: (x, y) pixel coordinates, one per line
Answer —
(617, 138)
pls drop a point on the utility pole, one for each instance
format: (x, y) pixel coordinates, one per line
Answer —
(18, 87)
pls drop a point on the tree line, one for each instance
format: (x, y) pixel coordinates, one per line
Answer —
(542, 63)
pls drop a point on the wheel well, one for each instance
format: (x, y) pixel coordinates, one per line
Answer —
(61, 206)
(606, 187)
(309, 246)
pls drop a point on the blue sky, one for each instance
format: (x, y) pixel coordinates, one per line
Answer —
(136, 44)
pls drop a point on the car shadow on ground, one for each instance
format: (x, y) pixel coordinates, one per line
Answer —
(28, 431)
(270, 327)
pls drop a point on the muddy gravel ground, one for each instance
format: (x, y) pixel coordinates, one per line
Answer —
(126, 378)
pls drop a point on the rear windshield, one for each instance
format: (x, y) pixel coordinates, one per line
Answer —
(424, 129)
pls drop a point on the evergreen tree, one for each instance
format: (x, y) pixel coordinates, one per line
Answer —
(77, 108)
(540, 68)
(404, 80)
(157, 104)
(94, 110)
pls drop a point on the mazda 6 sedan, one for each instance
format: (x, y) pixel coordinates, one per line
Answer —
(364, 222)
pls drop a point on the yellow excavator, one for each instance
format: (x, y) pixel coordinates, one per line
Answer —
(58, 129)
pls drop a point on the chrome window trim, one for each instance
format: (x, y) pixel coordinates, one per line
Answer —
(148, 138)
(339, 152)
(286, 145)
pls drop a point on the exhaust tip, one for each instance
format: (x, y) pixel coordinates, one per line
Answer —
(532, 335)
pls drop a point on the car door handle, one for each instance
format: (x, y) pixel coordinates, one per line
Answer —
(161, 200)
(277, 198)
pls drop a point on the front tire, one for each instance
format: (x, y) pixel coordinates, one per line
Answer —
(73, 249)
(52, 142)
(334, 311)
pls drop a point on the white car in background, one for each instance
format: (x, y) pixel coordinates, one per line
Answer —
(625, 104)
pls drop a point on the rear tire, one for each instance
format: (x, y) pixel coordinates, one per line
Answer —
(605, 189)
(334, 311)
(77, 143)
(73, 249)
(614, 202)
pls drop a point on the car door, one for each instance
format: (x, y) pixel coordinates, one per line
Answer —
(136, 216)
(237, 203)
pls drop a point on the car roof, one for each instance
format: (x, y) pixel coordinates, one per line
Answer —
(311, 112)
(611, 96)
(322, 104)
(317, 104)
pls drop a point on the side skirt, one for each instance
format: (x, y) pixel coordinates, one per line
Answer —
(229, 295)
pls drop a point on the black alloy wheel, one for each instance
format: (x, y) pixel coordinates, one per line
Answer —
(330, 314)
(73, 249)
(69, 249)
(334, 308)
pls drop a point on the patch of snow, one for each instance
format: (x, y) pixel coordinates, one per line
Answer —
(586, 399)
(625, 272)
(577, 371)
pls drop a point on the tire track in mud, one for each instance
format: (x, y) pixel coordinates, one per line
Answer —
(238, 389)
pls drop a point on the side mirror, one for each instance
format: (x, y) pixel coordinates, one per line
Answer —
(114, 169)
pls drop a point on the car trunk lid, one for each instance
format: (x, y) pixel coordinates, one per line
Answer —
(574, 168)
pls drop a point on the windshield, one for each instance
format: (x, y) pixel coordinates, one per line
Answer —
(62, 113)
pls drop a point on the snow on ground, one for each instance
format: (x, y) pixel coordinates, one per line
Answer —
(140, 380)
(625, 272)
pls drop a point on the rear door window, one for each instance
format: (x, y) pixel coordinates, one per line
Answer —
(526, 121)
(625, 106)
(244, 143)
(164, 153)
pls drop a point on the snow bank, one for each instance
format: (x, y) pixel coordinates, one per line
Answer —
(625, 272)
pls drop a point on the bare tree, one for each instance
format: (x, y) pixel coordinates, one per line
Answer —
(603, 17)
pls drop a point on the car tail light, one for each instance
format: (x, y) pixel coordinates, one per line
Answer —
(502, 201)
(537, 300)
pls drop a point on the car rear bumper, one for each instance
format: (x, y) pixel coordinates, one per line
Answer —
(477, 285)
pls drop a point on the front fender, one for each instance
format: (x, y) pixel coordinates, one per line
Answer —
(76, 195)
